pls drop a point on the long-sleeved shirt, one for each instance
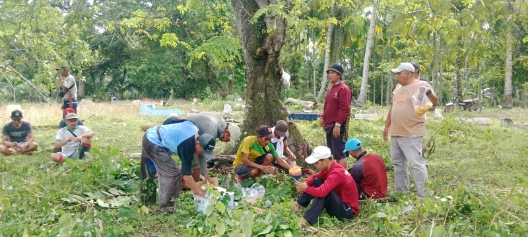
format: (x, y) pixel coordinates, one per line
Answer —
(370, 172)
(336, 179)
(337, 104)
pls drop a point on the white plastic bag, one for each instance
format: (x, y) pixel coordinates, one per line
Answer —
(421, 102)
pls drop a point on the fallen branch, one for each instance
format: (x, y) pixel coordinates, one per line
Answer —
(11, 69)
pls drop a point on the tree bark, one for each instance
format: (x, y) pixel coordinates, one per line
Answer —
(327, 55)
(261, 55)
(507, 101)
(362, 99)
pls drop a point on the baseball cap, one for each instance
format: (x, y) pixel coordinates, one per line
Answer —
(63, 67)
(71, 116)
(282, 128)
(403, 66)
(336, 68)
(173, 115)
(319, 153)
(208, 143)
(265, 131)
(16, 114)
(352, 145)
(68, 111)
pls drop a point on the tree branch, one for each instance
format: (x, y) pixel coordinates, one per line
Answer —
(11, 69)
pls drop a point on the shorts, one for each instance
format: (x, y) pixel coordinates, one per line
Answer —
(244, 170)
(78, 153)
(336, 145)
(195, 161)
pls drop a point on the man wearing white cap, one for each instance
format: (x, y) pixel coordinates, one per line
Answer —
(333, 189)
(73, 140)
(407, 129)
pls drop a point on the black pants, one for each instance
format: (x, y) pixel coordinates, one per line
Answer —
(361, 192)
(332, 203)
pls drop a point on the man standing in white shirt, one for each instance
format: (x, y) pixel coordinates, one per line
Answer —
(68, 86)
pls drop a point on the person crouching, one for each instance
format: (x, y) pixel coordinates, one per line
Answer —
(333, 189)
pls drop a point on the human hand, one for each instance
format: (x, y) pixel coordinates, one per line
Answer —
(385, 134)
(208, 179)
(293, 157)
(337, 131)
(14, 144)
(77, 139)
(267, 169)
(321, 121)
(200, 192)
(301, 187)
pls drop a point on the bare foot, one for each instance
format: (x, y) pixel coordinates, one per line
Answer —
(296, 207)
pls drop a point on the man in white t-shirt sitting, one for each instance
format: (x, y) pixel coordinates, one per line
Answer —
(74, 140)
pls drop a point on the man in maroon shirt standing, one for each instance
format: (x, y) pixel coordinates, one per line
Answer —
(369, 171)
(333, 189)
(336, 113)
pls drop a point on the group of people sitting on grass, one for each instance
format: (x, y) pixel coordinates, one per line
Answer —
(334, 188)
(71, 141)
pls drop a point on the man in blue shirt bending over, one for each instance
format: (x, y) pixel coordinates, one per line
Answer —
(179, 138)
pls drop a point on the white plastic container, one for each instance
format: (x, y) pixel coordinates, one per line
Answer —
(203, 202)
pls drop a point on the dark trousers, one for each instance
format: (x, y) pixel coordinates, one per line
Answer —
(361, 192)
(169, 175)
(336, 145)
(332, 203)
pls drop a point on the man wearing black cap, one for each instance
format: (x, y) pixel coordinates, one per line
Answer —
(68, 86)
(255, 155)
(17, 136)
(336, 114)
(179, 138)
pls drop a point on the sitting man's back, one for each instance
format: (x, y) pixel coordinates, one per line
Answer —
(369, 171)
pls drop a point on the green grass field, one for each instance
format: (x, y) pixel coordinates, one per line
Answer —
(476, 187)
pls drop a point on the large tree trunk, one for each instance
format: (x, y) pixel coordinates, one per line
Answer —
(507, 101)
(362, 99)
(261, 54)
(327, 55)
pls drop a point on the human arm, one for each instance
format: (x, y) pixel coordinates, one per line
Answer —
(282, 163)
(144, 128)
(387, 125)
(186, 150)
(29, 141)
(331, 181)
(59, 143)
(357, 171)
(345, 99)
(88, 134)
(7, 143)
(287, 149)
(431, 95)
(202, 161)
(246, 161)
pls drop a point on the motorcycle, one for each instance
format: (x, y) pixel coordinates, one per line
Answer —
(467, 104)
